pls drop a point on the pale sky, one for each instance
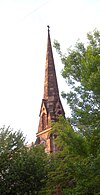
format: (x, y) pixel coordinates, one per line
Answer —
(23, 39)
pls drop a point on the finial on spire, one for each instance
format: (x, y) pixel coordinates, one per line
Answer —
(48, 27)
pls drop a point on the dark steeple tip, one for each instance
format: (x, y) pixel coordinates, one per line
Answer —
(48, 28)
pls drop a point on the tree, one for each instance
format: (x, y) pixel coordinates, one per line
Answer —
(82, 72)
(73, 167)
(76, 166)
(22, 169)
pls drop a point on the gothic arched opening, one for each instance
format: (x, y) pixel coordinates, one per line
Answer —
(44, 121)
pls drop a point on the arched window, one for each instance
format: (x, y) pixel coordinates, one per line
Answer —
(44, 121)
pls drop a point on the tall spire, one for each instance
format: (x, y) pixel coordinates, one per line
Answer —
(51, 105)
(50, 83)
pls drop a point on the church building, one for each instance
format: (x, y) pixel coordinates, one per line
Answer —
(51, 106)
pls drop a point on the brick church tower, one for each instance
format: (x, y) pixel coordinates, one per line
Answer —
(51, 105)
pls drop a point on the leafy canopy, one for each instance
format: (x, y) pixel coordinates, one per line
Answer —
(22, 169)
(82, 73)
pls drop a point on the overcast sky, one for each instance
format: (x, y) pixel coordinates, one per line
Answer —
(23, 39)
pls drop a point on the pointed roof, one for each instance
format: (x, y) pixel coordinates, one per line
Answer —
(51, 105)
(50, 83)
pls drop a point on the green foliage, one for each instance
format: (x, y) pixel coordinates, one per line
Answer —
(22, 169)
(73, 167)
(82, 64)
(82, 72)
(79, 139)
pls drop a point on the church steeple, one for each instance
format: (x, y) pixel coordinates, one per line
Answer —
(50, 83)
(51, 105)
